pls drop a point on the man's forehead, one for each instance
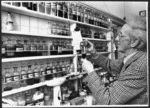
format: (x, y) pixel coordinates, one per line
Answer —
(125, 28)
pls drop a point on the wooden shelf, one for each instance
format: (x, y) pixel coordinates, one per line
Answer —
(36, 35)
(24, 11)
(35, 58)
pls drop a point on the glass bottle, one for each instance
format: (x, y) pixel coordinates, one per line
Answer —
(39, 48)
(54, 71)
(16, 75)
(65, 9)
(23, 76)
(59, 48)
(54, 48)
(78, 13)
(63, 68)
(36, 72)
(3, 49)
(30, 80)
(21, 100)
(33, 48)
(48, 72)
(28, 98)
(85, 15)
(60, 9)
(68, 30)
(34, 6)
(10, 48)
(26, 48)
(74, 12)
(43, 73)
(53, 8)
(48, 7)
(70, 11)
(45, 48)
(9, 22)
(89, 16)
(82, 13)
(42, 7)
(8, 75)
(19, 48)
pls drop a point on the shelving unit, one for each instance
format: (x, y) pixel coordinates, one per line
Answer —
(30, 13)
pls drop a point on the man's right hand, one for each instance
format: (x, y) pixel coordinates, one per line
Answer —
(90, 47)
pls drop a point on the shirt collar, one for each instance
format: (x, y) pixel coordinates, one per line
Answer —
(128, 57)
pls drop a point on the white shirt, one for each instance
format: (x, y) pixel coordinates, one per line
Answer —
(128, 57)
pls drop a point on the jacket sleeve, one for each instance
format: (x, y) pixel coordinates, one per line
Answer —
(106, 63)
(123, 90)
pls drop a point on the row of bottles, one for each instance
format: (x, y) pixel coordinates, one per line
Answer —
(33, 72)
(30, 47)
(42, 96)
(101, 46)
(99, 35)
(69, 10)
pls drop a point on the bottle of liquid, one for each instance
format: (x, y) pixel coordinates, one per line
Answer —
(33, 48)
(8, 75)
(48, 7)
(19, 48)
(53, 8)
(38, 97)
(74, 12)
(23, 76)
(65, 9)
(70, 11)
(36, 72)
(59, 69)
(42, 7)
(34, 6)
(3, 49)
(16, 76)
(54, 48)
(10, 48)
(54, 70)
(30, 80)
(9, 22)
(59, 48)
(85, 15)
(48, 72)
(39, 47)
(78, 13)
(42, 72)
(45, 48)
(26, 48)
(59, 9)
(82, 13)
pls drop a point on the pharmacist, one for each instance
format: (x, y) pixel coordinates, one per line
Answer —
(131, 85)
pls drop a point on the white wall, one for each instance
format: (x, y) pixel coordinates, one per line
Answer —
(117, 8)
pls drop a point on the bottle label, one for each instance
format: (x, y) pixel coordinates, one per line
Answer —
(19, 49)
(36, 74)
(8, 79)
(30, 75)
(43, 73)
(48, 71)
(24, 76)
(16, 78)
(3, 50)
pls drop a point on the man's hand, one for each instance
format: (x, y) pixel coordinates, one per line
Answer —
(87, 66)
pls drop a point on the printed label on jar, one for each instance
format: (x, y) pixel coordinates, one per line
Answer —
(24, 76)
(36, 74)
(3, 50)
(19, 49)
(43, 73)
(48, 71)
(8, 79)
(30, 75)
(16, 78)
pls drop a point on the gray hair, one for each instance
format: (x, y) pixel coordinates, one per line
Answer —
(138, 31)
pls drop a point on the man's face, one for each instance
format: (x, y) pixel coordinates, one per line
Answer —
(123, 39)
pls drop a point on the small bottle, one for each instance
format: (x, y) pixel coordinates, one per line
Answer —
(39, 47)
(42, 7)
(33, 48)
(9, 22)
(30, 80)
(53, 8)
(65, 9)
(19, 48)
(26, 48)
(42, 73)
(59, 48)
(54, 70)
(48, 72)
(45, 48)
(10, 48)
(3, 49)
(48, 7)
(16, 74)
(36, 72)
(59, 9)
(23, 76)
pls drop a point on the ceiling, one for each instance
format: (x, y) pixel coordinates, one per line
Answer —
(120, 9)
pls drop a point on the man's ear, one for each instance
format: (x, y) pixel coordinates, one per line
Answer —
(134, 43)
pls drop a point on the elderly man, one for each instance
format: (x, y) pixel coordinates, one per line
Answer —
(131, 85)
